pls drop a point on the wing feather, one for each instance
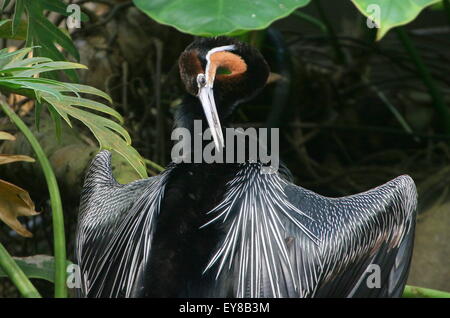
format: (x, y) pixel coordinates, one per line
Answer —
(285, 241)
(115, 228)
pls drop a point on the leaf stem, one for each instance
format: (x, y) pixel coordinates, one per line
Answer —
(340, 56)
(312, 20)
(428, 80)
(55, 201)
(15, 273)
(154, 165)
(420, 292)
(446, 4)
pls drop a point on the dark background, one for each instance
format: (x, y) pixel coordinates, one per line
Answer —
(339, 134)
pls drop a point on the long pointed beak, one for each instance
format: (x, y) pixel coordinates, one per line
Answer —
(206, 96)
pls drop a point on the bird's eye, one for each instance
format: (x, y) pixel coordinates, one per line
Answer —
(201, 80)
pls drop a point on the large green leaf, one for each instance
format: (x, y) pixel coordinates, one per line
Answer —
(218, 17)
(65, 100)
(392, 13)
(37, 266)
(42, 32)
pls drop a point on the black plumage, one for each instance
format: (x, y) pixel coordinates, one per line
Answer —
(227, 230)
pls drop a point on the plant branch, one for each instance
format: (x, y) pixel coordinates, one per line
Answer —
(15, 273)
(312, 20)
(428, 80)
(420, 292)
(340, 56)
(154, 165)
(446, 4)
(55, 200)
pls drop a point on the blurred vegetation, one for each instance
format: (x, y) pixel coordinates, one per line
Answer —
(360, 93)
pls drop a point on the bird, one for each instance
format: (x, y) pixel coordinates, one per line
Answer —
(227, 230)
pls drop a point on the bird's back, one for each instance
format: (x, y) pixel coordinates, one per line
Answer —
(181, 248)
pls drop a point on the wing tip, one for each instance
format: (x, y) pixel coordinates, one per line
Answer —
(407, 183)
(408, 191)
(404, 182)
(100, 170)
(406, 178)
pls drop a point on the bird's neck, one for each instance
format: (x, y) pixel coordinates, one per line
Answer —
(190, 130)
(191, 110)
(193, 143)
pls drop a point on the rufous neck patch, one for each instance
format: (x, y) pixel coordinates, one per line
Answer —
(234, 63)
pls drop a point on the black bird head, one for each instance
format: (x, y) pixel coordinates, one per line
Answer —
(222, 72)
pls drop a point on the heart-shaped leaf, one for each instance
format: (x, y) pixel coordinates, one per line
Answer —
(15, 202)
(388, 14)
(218, 17)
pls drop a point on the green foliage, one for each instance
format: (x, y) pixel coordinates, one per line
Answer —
(211, 18)
(7, 33)
(220, 17)
(420, 292)
(16, 75)
(59, 239)
(37, 266)
(10, 268)
(392, 12)
(42, 32)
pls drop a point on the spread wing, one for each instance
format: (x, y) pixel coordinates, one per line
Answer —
(285, 241)
(115, 228)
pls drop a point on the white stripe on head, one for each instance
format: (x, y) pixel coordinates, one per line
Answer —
(208, 58)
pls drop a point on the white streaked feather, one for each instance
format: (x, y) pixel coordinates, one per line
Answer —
(258, 211)
(116, 225)
(259, 217)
